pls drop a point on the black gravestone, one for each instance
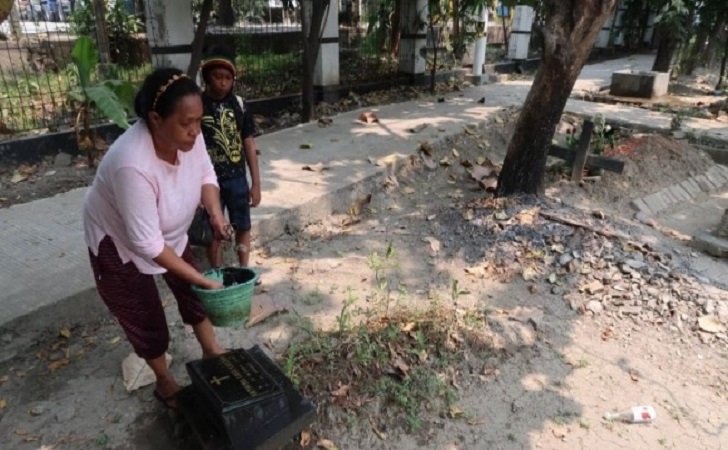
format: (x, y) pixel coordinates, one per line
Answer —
(242, 400)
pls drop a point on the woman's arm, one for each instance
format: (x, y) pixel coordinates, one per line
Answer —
(177, 266)
(137, 205)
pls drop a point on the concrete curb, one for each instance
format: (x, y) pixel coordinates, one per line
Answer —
(714, 179)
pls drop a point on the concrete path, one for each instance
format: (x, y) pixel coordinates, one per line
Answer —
(44, 263)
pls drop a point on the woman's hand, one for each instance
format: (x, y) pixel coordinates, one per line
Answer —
(222, 228)
(211, 284)
(254, 196)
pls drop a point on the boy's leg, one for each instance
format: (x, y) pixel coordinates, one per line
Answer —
(239, 212)
(242, 245)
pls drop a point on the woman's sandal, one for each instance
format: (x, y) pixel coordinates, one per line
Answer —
(169, 402)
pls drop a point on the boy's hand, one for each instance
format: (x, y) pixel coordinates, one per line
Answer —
(254, 196)
(221, 227)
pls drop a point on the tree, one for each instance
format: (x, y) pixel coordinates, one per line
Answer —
(670, 26)
(225, 13)
(199, 41)
(569, 32)
(313, 17)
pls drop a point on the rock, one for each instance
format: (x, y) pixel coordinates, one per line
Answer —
(39, 409)
(594, 306)
(722, 311)
(63, 160)
(631, 310)
(709, 307)
(65, 414)
(705, 338)
(6, 354)
(565, 259)
(711, 324)
(634, 264)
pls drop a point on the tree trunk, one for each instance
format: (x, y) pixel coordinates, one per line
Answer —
(199, 41)
(225, 13)
(102, 36)
(505, 33)
(719, 85)
(312, 26)
(396, 30)
(570, 30)
(666, 50)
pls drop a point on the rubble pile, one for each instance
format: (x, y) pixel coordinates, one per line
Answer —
(594, 263)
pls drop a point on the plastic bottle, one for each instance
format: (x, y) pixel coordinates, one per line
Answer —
(636, 414)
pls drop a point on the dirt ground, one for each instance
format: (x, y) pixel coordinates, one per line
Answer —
(585, 312)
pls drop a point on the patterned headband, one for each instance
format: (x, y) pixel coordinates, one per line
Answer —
(166, 86)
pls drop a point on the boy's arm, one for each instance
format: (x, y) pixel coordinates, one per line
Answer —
(251, 157)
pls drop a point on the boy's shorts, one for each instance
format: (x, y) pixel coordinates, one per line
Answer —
(234, 197)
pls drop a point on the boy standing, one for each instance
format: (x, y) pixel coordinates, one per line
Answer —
(229, 132)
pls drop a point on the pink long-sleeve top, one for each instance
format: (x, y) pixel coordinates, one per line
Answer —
(142, 202)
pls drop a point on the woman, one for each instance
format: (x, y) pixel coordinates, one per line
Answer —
(136, 217)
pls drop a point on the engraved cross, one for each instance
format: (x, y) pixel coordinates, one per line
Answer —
(218, 381)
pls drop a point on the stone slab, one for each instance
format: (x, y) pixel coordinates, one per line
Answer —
(710, 244)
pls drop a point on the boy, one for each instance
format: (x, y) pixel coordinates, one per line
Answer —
(229, 132)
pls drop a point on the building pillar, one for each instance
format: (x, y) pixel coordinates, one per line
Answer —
(481, 40)
(606, 32)
(326, 70)
(170, 30)
(413, 39)
(521, 33)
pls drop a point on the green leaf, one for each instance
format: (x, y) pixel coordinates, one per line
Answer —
(85, 57)
(124, 91)
(108, 103)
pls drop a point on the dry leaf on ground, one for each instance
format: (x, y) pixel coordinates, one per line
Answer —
(326, 444)
(560, 432)
(306, 146)
(341, 391)
(3, 403)
(426, 148)
(478, 271)
(356, 208)
(435, 245)
(137, 373)
(65, 332)
(320, 167)
(263, 307)
(305, 438)
(325, 121)
(18, 177)
(368, 117)
(633, 375)
(418, 128)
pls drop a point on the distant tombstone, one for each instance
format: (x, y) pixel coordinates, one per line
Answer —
(639, 84)
(722, 230)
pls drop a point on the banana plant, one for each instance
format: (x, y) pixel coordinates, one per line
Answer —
(112, 99)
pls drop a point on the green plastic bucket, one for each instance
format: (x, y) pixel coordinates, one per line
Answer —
(229, 306)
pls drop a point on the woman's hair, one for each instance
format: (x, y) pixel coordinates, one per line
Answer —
(161, 91)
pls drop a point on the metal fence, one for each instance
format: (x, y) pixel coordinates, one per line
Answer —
(36, 73)
(268, 45)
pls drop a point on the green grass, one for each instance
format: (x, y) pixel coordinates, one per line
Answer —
(32, 101)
